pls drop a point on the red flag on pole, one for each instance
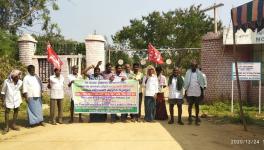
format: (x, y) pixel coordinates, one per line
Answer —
(154, 55)
(53, 57)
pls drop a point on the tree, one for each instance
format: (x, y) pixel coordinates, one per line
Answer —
(8, 45)
(23, 13)
(16, 14)
(117, 55)
(182, 28)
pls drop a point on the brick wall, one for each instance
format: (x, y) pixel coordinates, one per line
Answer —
(254, 94)
(216, 61)
(95, 50)
(26, 52)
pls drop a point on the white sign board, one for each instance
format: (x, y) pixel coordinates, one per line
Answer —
(248, 37)
(247, 71)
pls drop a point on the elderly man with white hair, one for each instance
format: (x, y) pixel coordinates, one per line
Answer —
(151, 85)
(11, 97)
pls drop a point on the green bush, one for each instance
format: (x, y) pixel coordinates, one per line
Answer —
(220, 106)
(66, 104)
(45, 98)
(236, 118)
(8, 44)
(221, 111)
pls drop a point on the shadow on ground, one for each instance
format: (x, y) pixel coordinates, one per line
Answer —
(210, 135)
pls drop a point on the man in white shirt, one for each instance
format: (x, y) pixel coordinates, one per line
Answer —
(150, 82)
(194, 84)
(56, 86)
(72, 77)
(11, 97)
(32, 91)
(176, 94)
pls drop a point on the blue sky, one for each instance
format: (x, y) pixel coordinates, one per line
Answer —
(78, 18)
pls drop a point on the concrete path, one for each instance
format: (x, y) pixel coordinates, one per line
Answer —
(133, 136)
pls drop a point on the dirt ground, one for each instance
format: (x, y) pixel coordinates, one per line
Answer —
(134, 136)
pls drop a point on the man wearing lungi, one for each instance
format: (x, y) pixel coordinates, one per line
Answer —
(32, 91)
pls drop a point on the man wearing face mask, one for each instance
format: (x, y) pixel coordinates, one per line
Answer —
(194, 84)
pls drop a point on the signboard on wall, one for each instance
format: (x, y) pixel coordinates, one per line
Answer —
(247, 71)
(248, 37)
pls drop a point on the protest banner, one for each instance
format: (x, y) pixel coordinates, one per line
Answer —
(104, 96)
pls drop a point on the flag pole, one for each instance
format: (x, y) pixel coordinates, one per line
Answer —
(238, 82)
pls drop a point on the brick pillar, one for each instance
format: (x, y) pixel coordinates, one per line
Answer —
(27, 48)
(95, 50)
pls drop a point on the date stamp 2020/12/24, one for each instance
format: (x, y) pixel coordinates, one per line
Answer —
(247, 141)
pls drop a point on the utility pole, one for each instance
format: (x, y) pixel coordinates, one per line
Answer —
(215, 19)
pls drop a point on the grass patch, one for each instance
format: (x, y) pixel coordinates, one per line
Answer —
(221, 113)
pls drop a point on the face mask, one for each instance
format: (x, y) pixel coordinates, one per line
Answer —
(193, 69)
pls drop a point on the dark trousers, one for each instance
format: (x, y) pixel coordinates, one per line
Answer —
(114, 117)
(150, 106)
(124, 117)
(52, 110)
(72, 111)
(94, 117)
(179, 105)
(196, 101)
(7, 110)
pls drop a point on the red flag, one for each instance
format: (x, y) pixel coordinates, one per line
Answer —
(53, 57)
(154, 55)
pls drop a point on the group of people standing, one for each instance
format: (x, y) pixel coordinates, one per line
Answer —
(32, 91)
(151, 86)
